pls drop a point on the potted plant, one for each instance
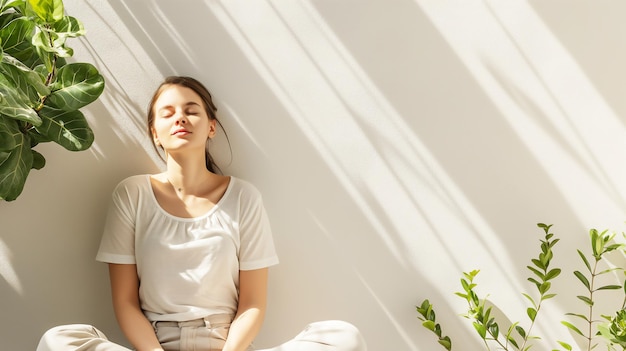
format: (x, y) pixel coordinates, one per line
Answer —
(40, 93)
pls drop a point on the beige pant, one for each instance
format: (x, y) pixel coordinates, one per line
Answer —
(207, 334)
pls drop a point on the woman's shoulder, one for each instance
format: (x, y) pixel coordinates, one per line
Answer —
(244, 189)
(133, 185)
(134, 180)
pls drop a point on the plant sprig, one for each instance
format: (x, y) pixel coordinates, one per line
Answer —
(601, 243)
(612, 329)
(480, 314)
(428, 318)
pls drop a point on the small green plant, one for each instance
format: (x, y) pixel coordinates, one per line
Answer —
(40, 94)
(615, 330)
(601, 244)
(427, 315)
(516, 337)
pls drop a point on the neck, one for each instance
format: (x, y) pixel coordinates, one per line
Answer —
(187, 176)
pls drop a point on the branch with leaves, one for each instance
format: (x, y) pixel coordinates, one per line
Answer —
(516, 337)
(40, 93)
(601, 244)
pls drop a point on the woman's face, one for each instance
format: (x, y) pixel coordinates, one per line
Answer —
(180, 120)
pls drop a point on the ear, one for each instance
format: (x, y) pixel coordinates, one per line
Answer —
(212, 128)
(155, 137)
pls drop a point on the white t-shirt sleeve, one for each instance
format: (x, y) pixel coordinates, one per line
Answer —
(257, 246)
(118, 240)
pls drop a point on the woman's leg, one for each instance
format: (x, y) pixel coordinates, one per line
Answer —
(325, 336)
(76, 337)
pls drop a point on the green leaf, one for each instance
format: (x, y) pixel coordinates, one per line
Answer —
(69, 26)
(582, 256)
(37, 138)
(49, 11)
(9, 134)
(425, 306)
(15, 104)
(547, 296)
(67, 128)
(613, 247)
(494, 330)
(446, 342)
(532, 301)
(480, 329)
(466, 285)
(586, 300)
(545, 287)
(553, 273)
(25, 52)
(26, 80)
(430, 325)
(38, 160)
(532, 313)
(14, 168)
(583, 279)
(41, 42)
(534, 281)
(538, 263)
(536, 272)
(554, 242)
(566, 346)
(77, 85)
(610, 287)
(512, 341)
(6, 4)
(464, 296)
(596, 242)
(610, 270)
(16, 32)
(520, 331)
(572, 327)
(581, 316)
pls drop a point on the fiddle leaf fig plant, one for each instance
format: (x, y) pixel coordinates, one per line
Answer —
(41, 94)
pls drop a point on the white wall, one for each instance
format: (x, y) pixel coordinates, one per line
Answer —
(397, 144)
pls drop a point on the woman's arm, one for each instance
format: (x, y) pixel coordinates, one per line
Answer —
(250, 311)
(125, 291)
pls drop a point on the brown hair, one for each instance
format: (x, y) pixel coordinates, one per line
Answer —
(207, 100)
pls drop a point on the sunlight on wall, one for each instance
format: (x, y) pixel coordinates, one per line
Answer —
(395, 181)
(399, 327)
(430, 224)
(139, 70)
(6, 269)
(546, 98)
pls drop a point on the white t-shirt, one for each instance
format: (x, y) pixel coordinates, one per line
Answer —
(188, 267)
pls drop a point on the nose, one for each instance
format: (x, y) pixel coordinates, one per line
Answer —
(181, 119)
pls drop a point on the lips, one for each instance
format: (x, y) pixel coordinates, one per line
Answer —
(181, 131)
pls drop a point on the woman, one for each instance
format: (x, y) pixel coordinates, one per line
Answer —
(188, 249)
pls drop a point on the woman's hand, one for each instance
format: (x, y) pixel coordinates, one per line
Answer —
(250, 311)
(125, 292)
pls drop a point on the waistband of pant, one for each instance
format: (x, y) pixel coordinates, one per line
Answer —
(208, 321)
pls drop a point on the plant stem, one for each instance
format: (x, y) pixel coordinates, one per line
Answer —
(591, 291)
(530, 328)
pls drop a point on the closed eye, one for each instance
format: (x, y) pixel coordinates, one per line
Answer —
(166, 112)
